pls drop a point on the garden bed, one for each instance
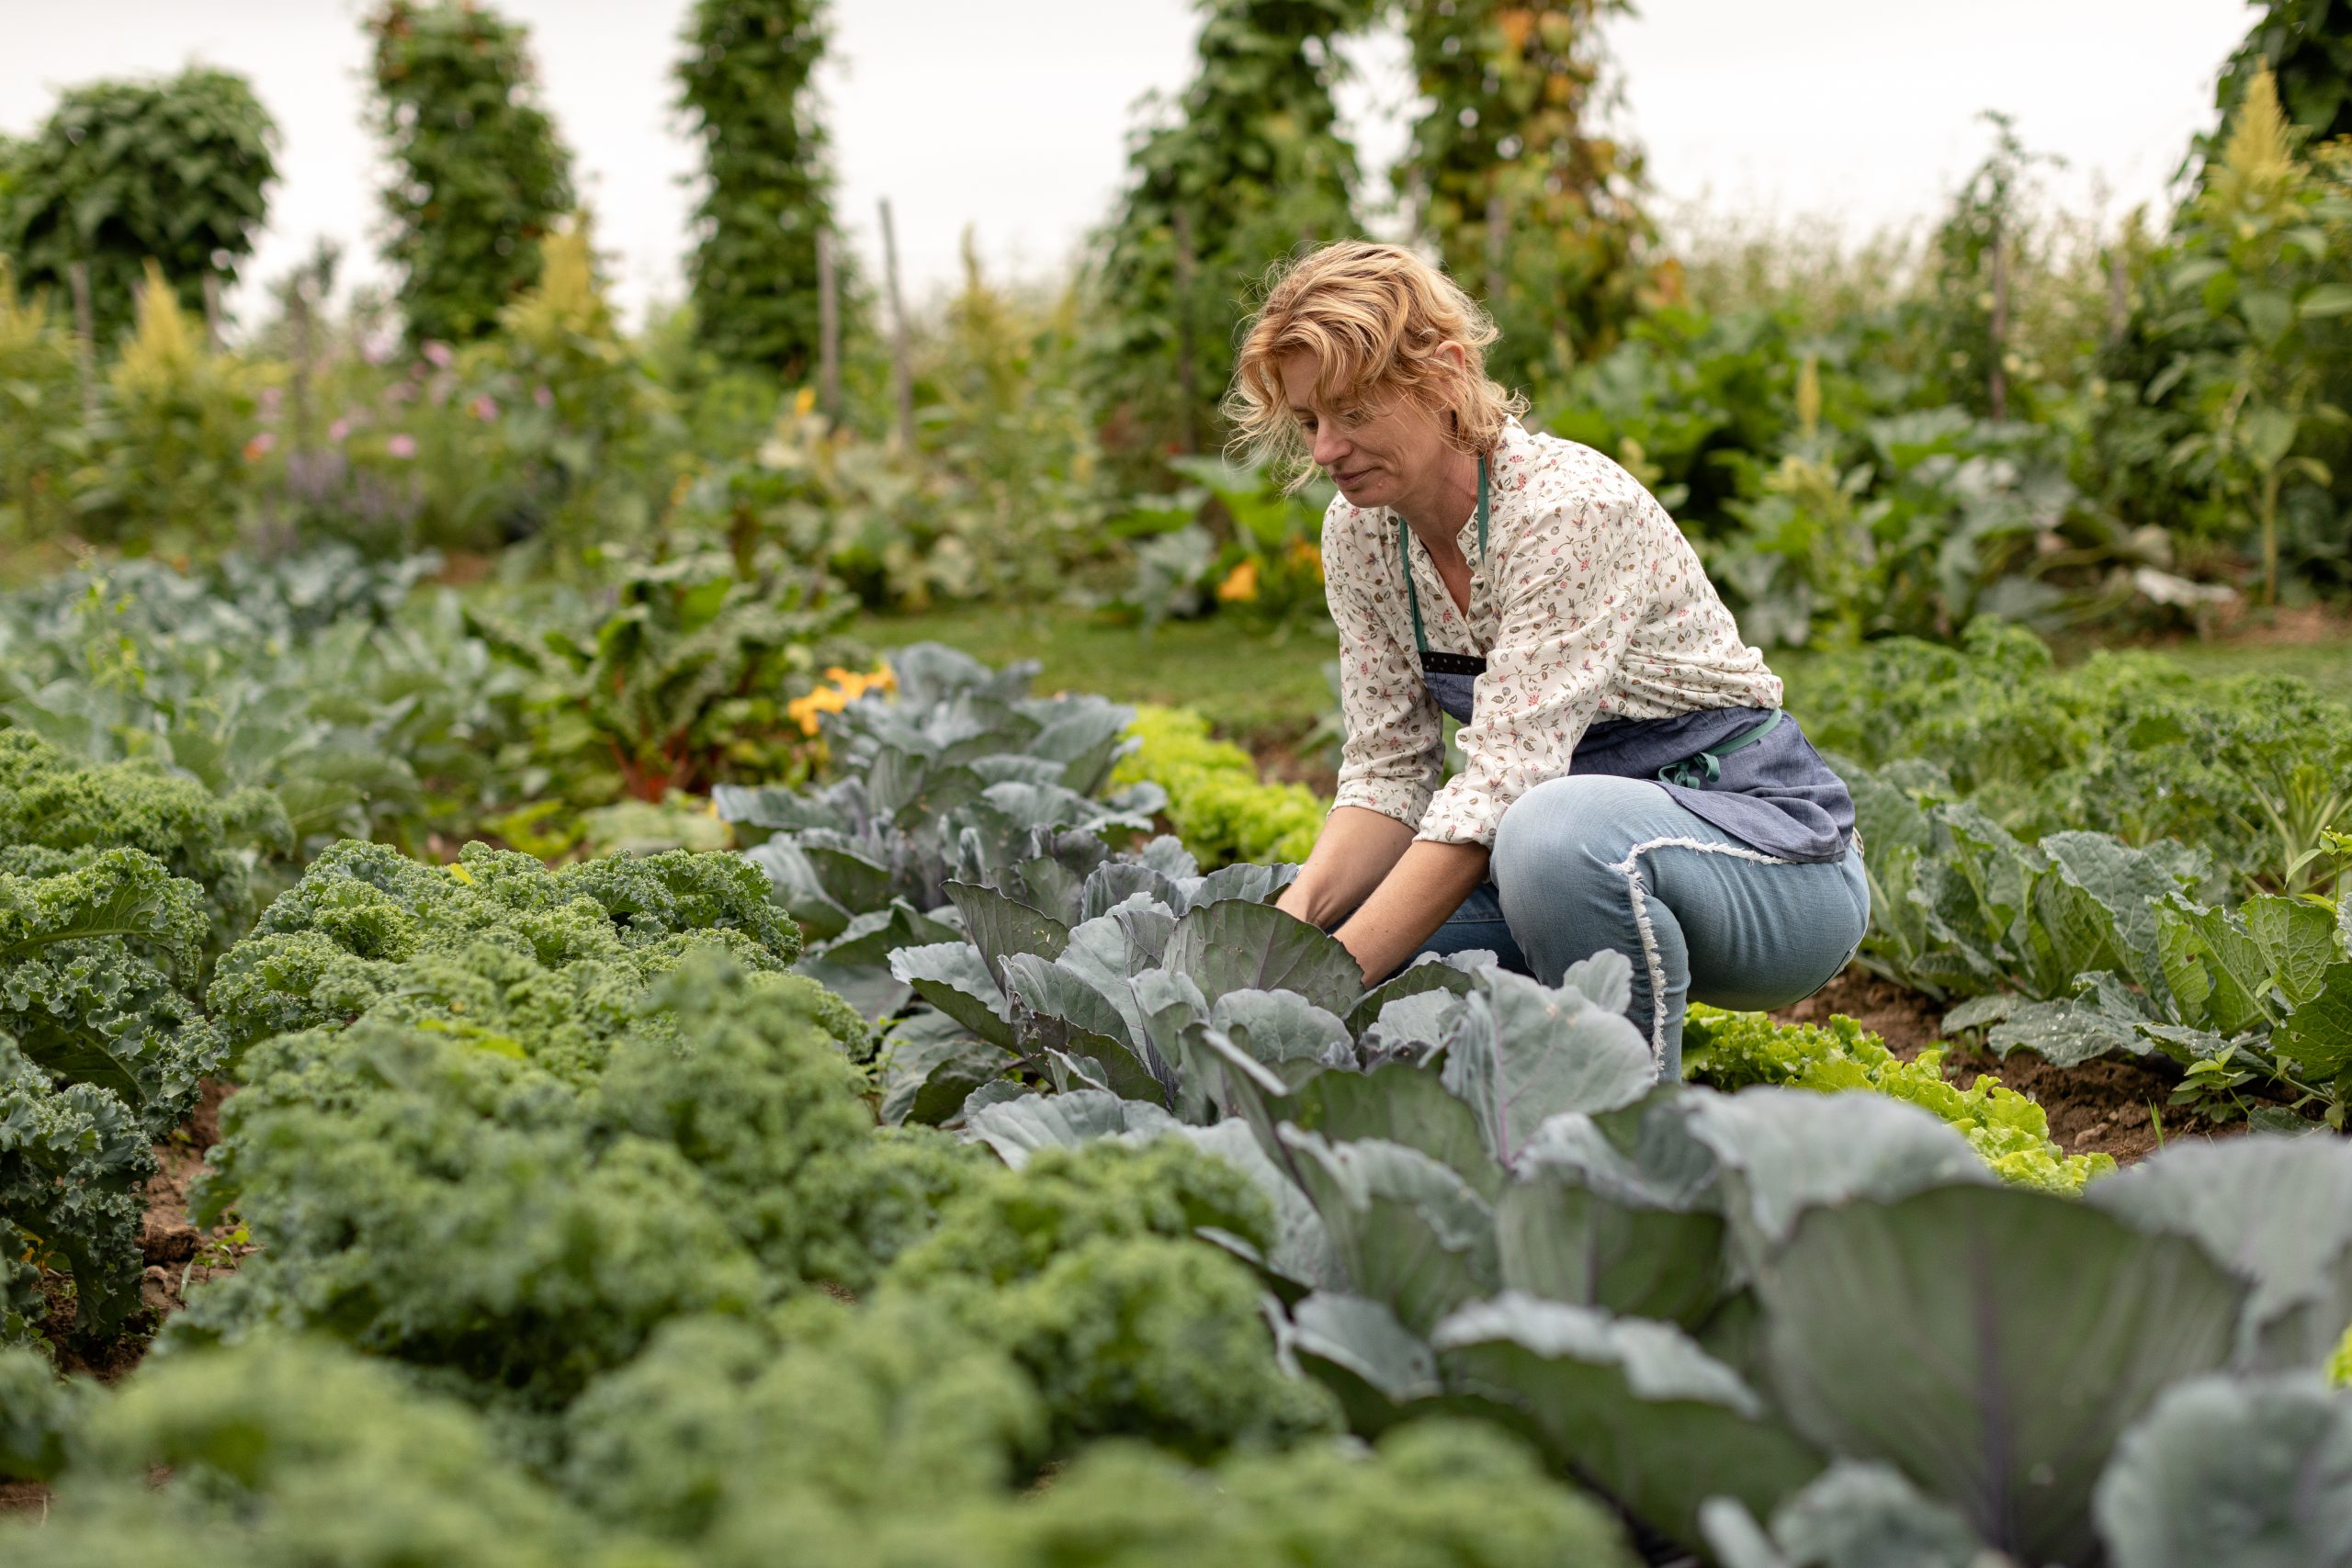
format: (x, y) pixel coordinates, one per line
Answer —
(2113, 1107)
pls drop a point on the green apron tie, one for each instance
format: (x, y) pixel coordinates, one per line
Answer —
(1699, 771)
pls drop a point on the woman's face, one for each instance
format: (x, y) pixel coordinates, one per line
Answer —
(1377, 457)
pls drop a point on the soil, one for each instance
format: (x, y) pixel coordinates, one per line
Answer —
(178, 1254)
(2117, 1106)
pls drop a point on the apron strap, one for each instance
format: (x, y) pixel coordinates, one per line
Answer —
(1405, 553)
(1699, 771)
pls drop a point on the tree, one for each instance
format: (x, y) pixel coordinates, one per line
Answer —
(1254, 170)
(1528, 203)
(744, 80)
(176, 171)
(482, 175)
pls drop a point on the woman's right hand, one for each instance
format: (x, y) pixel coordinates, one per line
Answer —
(1355, 853)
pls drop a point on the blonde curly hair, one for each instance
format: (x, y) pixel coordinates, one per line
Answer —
(1375, 316)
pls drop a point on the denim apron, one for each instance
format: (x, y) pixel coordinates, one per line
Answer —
(1748, 772)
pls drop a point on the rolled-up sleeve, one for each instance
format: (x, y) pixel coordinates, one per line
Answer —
(1394, 753)
(1573, 593)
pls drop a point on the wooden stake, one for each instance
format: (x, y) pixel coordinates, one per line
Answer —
(1187, 378)
(85, 336)
(1999, 387)
(829, 330)
(212, 311)
(902, 370)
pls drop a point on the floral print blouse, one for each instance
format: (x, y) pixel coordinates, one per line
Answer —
(1590, 604)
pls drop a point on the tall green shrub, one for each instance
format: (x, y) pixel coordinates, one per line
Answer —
(482, 175)
(769, 184)
(1255, 169)
(1531, 204)
(176, 170)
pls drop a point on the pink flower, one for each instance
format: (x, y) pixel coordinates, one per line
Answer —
(259, 446)
(485, 407)
(338, 430)
(541, 396)
(439, 353)
(402, 445)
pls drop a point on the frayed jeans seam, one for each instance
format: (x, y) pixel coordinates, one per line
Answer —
(1631, 871)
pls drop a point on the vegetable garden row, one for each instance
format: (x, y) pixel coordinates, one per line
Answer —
(970, 1169)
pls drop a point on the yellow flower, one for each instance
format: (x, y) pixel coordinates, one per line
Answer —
(804, 402)
(1242, 582)
(846, 686)
(1306, 554)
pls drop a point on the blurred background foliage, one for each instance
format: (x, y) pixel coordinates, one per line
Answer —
(2022, 411)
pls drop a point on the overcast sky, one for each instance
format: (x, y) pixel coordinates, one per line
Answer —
(1011, 116)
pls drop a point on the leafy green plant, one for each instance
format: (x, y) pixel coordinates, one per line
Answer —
(1684, 1296)
(175, 172)
(1272, 563)
(1732, 1051)
(744, 82)
(42, 442)
(482, 175)
(687, 678)
(2123, 743)
(1220, 809)
(281, 1451)
(102, 1046)
(2254, 297)
(173, 442)
(307, 681)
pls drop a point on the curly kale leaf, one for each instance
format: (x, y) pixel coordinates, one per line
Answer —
(52, 800)
(752, 1083)
(287, 1452)
(38, 1410)
(370, 933)
(1083, 1267)
(718, 1416)
(517, 1213)
(72, 1161)
(446, 1206)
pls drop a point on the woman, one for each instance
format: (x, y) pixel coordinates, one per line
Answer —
(1630, 780)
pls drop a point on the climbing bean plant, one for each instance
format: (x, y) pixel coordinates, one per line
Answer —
(743, 81)
(480, 173)
(1531, 204)
(1254, 168)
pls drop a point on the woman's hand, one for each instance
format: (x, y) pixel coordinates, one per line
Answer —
(1356, 849)
(1426, 885)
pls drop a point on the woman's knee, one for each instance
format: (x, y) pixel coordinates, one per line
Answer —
(1577, 826)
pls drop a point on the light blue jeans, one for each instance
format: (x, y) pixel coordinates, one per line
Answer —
(1593, 861)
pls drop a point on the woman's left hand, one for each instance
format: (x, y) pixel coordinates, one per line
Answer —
(1426, 886)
